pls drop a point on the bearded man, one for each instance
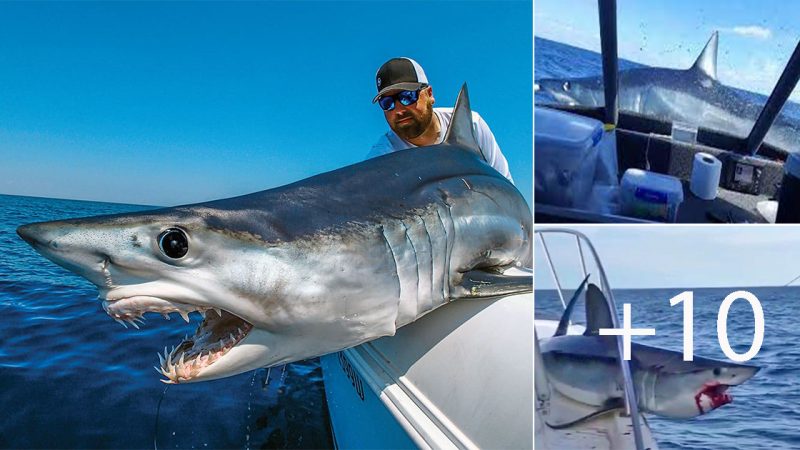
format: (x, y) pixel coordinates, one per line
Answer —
(406, 98)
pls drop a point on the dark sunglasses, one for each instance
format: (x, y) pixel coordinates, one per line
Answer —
(406, 98)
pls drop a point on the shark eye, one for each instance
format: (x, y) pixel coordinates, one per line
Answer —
(173, 243)
(717, 371)
(565, 86)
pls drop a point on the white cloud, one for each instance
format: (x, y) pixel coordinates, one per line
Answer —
(751, 31)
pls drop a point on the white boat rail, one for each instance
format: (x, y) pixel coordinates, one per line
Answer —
(581, 240)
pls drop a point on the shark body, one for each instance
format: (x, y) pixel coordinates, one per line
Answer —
(693, 96)
(586, 369)
(309, 268)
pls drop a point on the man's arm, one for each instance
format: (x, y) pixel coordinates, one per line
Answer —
(382, 147)
(489, 146)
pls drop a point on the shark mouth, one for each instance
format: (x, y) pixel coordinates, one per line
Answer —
(716, 393)
(219, 332)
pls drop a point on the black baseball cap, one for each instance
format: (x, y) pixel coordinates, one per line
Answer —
(399, 74)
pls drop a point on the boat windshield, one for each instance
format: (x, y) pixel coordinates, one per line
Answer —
(701, 65)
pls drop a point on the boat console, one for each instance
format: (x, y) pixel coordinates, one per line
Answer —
(648, 144)
(603, 164)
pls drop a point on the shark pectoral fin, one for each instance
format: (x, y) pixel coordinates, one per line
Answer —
(563, 324)
(482, 283)
(460, 131)
(598, 314)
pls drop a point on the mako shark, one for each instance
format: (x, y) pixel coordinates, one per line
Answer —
(312, 267)
(693, 96)
(586, 369)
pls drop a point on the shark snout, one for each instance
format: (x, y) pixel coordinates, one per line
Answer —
(34, 234)
(741, 373)
(67, 246)
(45, 236)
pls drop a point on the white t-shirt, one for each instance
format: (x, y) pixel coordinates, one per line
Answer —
(391, 142)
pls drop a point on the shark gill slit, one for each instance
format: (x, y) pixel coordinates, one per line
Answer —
(415, 272)
(447, 250)
(416, 263)
(394, 259)
(437, 262)
(427, 271)
(451, 234)
(648, 391)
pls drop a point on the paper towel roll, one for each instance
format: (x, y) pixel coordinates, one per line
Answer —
(705, 176)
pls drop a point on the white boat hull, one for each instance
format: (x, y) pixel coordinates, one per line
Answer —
(460, 377)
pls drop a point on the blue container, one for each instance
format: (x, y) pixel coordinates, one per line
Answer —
(650, 195)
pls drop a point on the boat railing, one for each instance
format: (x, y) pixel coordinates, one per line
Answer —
(584, 245)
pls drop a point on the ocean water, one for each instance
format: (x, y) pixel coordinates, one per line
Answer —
(71, 377)
(558, 60)
(765, 412)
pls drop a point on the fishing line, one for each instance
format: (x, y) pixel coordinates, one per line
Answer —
(249, 411)
(158, 412)
(265, 382)
(793, 280)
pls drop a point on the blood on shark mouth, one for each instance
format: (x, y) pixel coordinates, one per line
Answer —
(716, 392)
(217, 334)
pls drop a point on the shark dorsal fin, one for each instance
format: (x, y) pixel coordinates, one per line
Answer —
(460, 130)
(563, 324)
(707, 61)
(597, 312)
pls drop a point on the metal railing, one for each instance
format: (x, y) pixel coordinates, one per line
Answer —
(632, 406)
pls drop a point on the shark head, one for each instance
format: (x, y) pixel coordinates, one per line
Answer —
(671, 387)
(176, 261)
(578, 91)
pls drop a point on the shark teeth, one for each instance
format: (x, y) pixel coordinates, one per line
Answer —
(216, 335)
(182, 363)
(132, 309)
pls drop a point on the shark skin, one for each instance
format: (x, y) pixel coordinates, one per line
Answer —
(586, 368)
(312, 267)
(693, 96)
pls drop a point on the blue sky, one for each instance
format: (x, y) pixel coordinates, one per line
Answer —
(168, 103)
(756, 37)
(679, 256)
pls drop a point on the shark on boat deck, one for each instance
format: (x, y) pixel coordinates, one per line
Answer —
(312, 267)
